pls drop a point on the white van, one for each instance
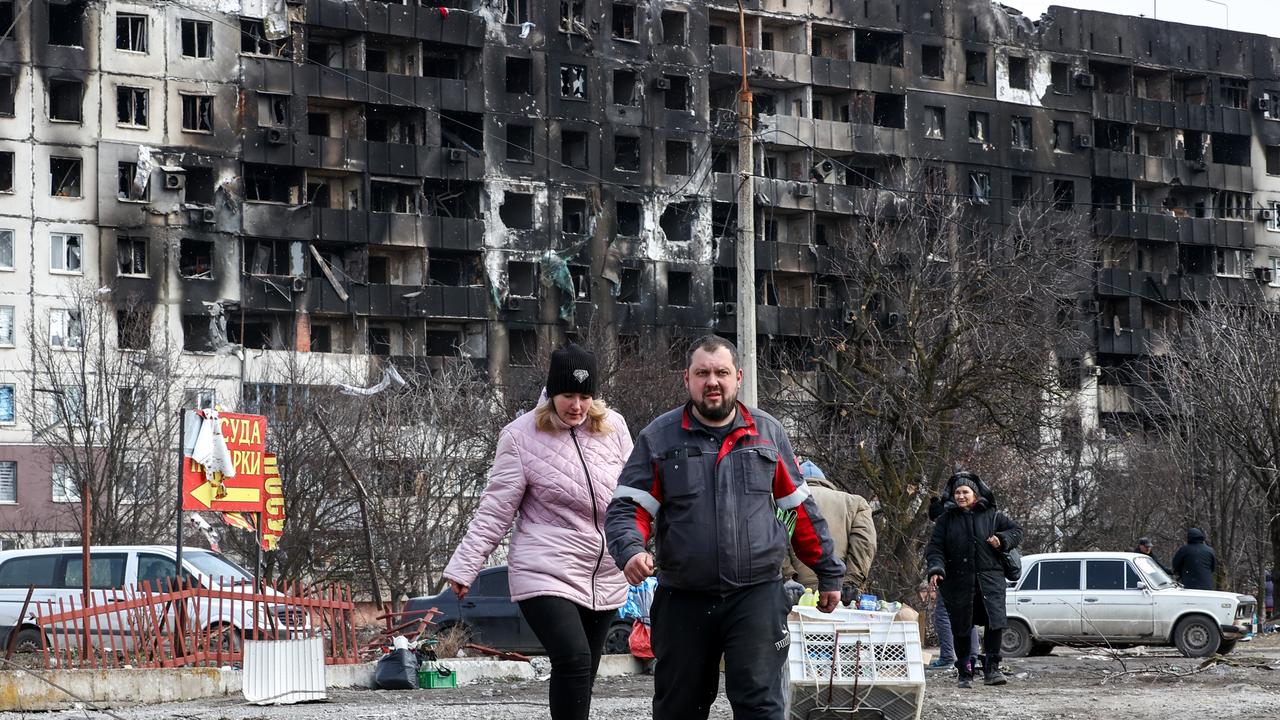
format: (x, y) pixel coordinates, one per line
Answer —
(57, 574)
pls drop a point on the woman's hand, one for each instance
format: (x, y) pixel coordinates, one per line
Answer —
(994, 542)
(933, 582)
(459, 589)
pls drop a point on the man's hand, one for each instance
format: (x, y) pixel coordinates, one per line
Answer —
(639, 567)
(459, 589)
(994, 542)
(933, 582)
(828, 600)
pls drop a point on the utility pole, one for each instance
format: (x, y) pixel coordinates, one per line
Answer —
(746, 255)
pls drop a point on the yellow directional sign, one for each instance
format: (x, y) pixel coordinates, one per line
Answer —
(205, 495)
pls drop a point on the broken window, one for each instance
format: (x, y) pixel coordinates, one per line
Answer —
(1230, 149)
(624, 88)
(195, 259)
(8, 90)
(133, 332)
(197, 113)
(254, 40)
(935, 122)
(131, 32)
(978, 122)
(403, 126)
(519, 143)
(64, 100)
(1063, 131)
(674, 24)
(878, 47)
(453, 269)
(679, 288)
(132, 255)
(724, 285)
(863, 177)
(266, 257)
(1020, 189)
(462, 130)
(677, 157)
(321, 338)
(975, 67)
(199, 186)
(393, 197)
(65, 329)
(197, 333)
(375, 59)
(517, 12)
(318, 124)
(1019, 76)
(629, 285)
(678, 220)
(66, 23)
(65, 252)
(1271, 152)
(126, 175)
(932, 61)
(629, 218)
(573, 149)
(624, 21)
(980, 187)
(890, 110)
(519, 80)
(1064, 195)
(1233, 93)
(718, 35)
(255, 334)
(131, 106)
(626, 153)
(1060, 77)
(522, 347)
(573, 216)
(273, 110)
(197, 38)
(581, 276)
(444, 64)
(439, 343)
(517, 211)
(1020, 132)
(1232, 262)
(573, 82)
(522, 278)
(676, 96)
(1191, 89)
(64, 177)
(1233, 205)
(450, 198)
(6, 172)
(573, 17)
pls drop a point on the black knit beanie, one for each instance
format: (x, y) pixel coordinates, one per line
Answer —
(573, 370)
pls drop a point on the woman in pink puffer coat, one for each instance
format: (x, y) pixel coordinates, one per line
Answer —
(554, 475)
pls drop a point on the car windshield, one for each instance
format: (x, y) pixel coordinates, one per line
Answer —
(1156, 577)
(218, 568)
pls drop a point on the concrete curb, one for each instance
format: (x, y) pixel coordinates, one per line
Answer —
(21, 690)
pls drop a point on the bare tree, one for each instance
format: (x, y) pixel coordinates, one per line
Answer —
(1216, 389)
(102, 387)
(948, 343)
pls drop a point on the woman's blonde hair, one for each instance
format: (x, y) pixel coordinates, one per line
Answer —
(596, 422)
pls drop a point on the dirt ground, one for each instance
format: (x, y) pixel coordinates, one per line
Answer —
(1070, 684)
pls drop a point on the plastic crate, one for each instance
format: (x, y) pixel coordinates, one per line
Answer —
(437, 678)
(852, 663)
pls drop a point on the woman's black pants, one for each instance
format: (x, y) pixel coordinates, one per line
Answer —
(573, 637)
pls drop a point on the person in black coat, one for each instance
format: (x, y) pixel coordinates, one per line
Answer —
(1146, 547)
(1195, 562)
(963, 560)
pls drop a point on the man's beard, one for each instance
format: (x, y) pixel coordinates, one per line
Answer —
(728, 403)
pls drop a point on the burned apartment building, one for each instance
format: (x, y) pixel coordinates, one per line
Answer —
(249, 182)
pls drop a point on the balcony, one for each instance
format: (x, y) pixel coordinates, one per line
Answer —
(1168, 228)
(1162, 113)
(402, 301)
(802, 132)
(1129, 341)
(1156, 286)
(411, 20)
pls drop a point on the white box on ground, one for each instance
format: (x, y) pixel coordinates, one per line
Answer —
(852, 660)
(283, 672)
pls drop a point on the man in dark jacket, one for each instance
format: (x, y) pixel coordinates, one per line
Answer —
(1195, 562)
(710, 481)
(1145, 547)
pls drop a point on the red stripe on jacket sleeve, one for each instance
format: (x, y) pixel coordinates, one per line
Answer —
(805, 539)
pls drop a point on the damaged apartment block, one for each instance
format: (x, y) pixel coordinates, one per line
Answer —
(487, 178)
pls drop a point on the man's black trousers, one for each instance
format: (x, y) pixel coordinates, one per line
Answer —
(692, 630)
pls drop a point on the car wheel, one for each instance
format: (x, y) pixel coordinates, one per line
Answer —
(28, 640)
(226, 638)
(1197, 636)
(1016, 641)
(618, 641)
(1226, 646)
(1041, 649)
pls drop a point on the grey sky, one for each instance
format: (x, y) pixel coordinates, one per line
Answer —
(1254, 16)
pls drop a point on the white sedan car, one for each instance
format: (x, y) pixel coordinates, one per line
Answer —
(1111, 599)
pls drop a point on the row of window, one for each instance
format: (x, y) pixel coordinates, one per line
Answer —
(133, 106)
(133, 486)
